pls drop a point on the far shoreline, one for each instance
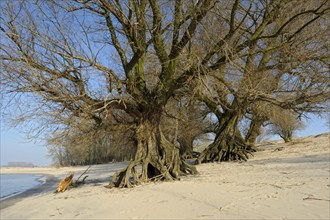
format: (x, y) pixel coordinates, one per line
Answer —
(46, 187)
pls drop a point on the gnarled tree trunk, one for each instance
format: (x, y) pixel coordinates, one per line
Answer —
(254, 129)
(159, 158)
(227, 145)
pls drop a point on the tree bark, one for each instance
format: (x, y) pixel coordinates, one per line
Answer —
(254, 130)
(227, 144)
(159, 158)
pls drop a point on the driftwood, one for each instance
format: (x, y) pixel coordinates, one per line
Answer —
(63, 185)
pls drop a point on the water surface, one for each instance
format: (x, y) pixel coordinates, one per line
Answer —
(13, 184)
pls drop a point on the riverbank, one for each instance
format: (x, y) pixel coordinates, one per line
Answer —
(282, 181)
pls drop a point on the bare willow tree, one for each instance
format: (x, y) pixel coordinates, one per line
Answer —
(273, 120)
(90, 59)
(97, 59)
(269, 51)
(285, 123)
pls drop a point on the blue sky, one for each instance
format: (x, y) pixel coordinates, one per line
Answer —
(315, 125)
(15, 147)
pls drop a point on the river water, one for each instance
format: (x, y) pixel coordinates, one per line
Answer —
(13, 184)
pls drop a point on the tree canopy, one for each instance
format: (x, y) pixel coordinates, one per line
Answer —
(109, 65)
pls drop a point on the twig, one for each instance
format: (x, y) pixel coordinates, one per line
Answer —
(312, 198)
(83, 174)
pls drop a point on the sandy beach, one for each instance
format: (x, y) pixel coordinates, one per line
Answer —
(281, 181)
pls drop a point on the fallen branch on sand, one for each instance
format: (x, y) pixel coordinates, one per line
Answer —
(67, 181)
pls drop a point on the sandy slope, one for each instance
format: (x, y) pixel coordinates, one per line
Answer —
(290, 183)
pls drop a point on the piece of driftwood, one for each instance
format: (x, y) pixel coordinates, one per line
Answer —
(63, 185)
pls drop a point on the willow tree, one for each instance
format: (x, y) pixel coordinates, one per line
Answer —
(94, 58)
(271, 52)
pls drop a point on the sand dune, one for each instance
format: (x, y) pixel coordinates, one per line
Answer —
(282, 181)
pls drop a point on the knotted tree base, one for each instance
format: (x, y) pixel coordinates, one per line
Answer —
(130, 177)
(226, 148)
(159, 160)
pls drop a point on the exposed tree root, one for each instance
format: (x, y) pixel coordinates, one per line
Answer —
(130, 177)
(227, 148)
(159, 160)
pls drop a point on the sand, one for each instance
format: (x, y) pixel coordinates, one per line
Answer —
(282, 181)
